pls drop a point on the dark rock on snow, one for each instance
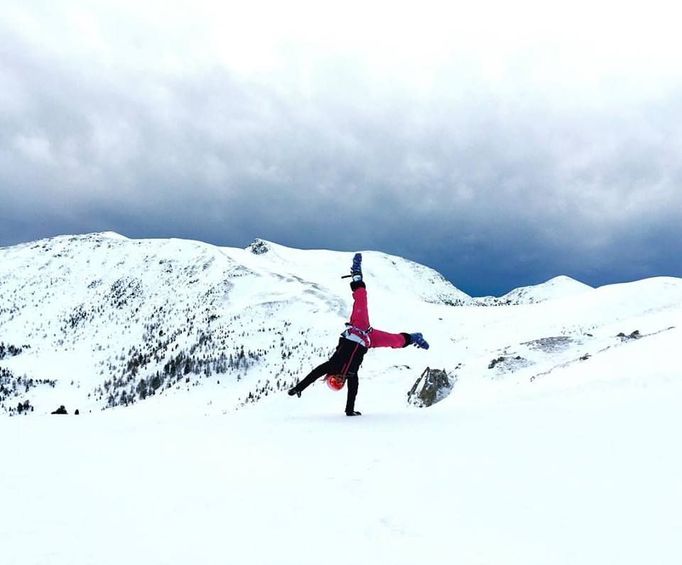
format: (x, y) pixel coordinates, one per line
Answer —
(432, 386)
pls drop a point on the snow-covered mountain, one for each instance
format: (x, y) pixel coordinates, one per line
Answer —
(556, 444)
(99, 321)
(557, 287)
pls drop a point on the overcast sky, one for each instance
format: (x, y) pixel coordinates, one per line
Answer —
(501, 143)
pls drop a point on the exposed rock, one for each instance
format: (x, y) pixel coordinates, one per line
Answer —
(259, 247)
(550, 344)
(60, 410)
(494, 362)
(509, 363)
(633, 335)
(432, 386)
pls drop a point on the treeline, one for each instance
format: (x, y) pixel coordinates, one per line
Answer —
(7, 350)
(13, 387)
(136, 379)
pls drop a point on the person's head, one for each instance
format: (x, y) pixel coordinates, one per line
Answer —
(335, 382)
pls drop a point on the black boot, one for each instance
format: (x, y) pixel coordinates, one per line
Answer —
(353, 413)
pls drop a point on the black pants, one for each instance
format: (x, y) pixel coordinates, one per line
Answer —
(346, 361)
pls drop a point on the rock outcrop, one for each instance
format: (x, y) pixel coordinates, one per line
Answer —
(432, 386)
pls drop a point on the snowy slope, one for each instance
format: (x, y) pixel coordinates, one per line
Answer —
(557, 287)
(105, 321)
(588, 478)
(557, 445)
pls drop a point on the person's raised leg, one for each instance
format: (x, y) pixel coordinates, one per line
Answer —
(360, 315)
(385, 339)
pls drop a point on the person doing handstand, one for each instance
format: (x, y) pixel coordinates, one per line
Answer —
(354, 342)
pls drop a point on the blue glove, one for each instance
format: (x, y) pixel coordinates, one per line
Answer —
(419, 341)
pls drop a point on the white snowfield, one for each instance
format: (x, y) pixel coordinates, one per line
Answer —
(559, 443)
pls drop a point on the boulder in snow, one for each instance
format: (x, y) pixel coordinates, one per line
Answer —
(628, 337)
(432, 386)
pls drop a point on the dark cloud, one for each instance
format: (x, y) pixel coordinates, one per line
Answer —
(494, 187)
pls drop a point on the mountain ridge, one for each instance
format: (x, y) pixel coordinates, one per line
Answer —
(103, 321)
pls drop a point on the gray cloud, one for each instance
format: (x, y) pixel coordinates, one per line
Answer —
(494, 184)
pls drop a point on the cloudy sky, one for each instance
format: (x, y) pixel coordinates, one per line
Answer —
(501, 143)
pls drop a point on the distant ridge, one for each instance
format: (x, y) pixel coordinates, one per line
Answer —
(557, 287)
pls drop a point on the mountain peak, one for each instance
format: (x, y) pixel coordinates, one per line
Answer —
(557, 287)
(110, 235)
(560, 286)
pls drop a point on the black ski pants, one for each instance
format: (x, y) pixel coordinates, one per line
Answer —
(346, 361)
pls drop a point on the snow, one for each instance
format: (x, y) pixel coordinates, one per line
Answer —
(578, 477)
(557, 287)
(90, 306)
(563, 452)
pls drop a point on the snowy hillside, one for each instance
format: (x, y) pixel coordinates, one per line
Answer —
(557, 444)
(101, 321)
(557, 287)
